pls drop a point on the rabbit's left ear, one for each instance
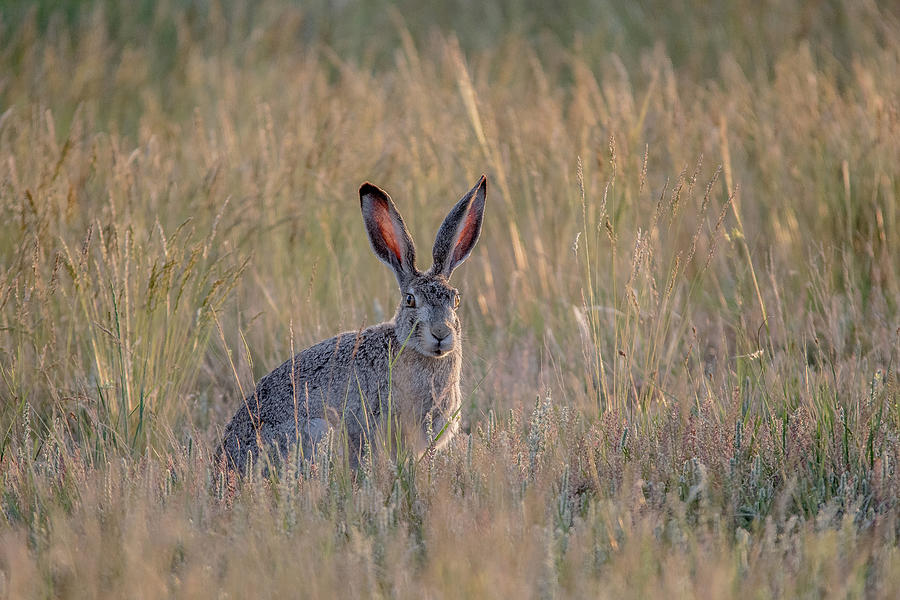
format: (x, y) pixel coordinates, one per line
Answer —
(460, 230)
(387, 233)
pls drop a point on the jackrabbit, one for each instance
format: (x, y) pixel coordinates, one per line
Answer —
(406, 369)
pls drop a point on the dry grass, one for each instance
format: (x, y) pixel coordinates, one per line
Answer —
(683, 316)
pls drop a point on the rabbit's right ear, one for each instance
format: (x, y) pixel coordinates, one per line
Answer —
(387, 233)
(460, 230)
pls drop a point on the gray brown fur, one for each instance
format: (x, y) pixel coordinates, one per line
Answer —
(409, 366)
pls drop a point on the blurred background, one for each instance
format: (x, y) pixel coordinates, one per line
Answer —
(689, 255)
(153, 151)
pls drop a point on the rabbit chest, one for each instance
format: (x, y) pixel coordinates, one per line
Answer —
(422, 385)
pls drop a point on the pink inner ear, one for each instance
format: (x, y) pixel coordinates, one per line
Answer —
(386, 227)
(466, 236)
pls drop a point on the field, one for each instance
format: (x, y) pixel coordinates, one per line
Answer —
(682, 320)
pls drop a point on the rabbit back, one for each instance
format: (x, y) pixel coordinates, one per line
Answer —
(341, 382)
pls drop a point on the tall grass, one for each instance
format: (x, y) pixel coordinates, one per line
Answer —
(681, 320)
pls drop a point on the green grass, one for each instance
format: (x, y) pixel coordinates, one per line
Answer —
(682, 319)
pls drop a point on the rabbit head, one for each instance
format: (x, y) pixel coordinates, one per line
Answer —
(426, 319)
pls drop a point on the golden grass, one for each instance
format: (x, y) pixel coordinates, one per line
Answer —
(681, 320)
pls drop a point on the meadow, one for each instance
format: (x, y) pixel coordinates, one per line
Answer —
(682, 320)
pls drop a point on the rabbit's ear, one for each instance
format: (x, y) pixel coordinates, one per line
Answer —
(460, 230)
(388, 235)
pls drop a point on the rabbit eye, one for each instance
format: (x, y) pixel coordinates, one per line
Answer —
(456, 301)
(410, 301)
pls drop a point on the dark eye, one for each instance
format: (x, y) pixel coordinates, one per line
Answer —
(456, 301)
(410, 301)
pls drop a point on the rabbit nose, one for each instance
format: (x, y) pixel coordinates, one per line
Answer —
(440, 332)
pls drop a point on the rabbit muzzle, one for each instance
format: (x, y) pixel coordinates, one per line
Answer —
(440, 339)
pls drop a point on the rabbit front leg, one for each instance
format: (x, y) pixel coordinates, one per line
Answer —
(443, 430)
(442, 423)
